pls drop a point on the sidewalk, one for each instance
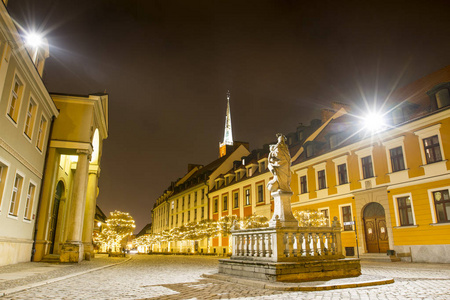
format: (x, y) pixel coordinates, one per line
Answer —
(22, 276)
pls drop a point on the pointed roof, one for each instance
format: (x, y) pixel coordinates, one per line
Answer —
(228, 135)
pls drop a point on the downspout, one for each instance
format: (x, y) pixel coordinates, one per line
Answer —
(33, 250)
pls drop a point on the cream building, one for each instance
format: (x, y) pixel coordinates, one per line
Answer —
(70, 187)
(26, 116)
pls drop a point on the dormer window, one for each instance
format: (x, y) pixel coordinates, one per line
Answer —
(309, 150)
(440, 95)
(249, 172)
(263, 166)
(335, 140)
(227, 180)
(238, 176)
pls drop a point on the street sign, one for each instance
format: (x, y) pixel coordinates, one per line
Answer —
(349, 223)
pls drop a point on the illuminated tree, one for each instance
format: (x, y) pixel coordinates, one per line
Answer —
(254, 221)
(118, 226)
(310, 218)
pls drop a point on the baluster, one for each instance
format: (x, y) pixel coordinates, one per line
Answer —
(263, 245)
(333, 243)
(245, 244)
(301, 247)
(260, 241)
(295, 243)
(326, 247)
(314, 239)
(322, 244)
(239, 245)
(257, 239)
(308, 244)
(269, 245)
(285, 243)
(249, 245)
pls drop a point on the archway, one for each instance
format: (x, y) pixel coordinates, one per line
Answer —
(54, 215)
(375, 230)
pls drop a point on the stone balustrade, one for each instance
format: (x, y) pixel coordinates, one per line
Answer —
(287, 244)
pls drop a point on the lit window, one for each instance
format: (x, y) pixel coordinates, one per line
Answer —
(303, 185)
(432, 149)
(41, 133)
(442, 205)
(14, 101)
(15, 197)
(260, 193)
(397, 162)
(367, 167)
(30, 201)
(236, 199)
(347, 217)
(405, 211)
(322, 184)
(29, 119)
(247, 196)
(342, 174)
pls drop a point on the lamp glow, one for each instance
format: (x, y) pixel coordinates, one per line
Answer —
(374, 122)
(34, 39)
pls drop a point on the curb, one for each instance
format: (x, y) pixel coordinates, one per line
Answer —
(41, 283)
(279, 286)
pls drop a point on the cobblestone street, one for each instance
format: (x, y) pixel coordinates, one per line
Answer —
(179, 277)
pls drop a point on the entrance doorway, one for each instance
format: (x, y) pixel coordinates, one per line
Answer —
(377, 240)
(54, 215)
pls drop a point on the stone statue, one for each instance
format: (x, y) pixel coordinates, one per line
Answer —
(280, 166)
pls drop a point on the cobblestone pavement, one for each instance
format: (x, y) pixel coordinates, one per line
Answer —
(179, 277)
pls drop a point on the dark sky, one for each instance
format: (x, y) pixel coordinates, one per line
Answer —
(167, 66)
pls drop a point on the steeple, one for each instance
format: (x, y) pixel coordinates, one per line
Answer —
(228, 136)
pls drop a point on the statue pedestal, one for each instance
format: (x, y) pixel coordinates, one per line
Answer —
(282, 215)
(72, 252)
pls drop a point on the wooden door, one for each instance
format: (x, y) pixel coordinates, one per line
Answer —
(377, 239)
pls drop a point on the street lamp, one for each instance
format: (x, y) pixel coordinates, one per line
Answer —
(374, 122)
(34, 39)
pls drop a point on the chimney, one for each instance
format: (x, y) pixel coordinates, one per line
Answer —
(327, 114)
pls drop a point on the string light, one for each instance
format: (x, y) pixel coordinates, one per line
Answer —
(118, 226)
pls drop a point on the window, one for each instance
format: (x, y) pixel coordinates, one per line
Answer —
(247, 196)
(432, 149)
(238, 176)
(442, 205)
(15, 197)
(326, 215)
(303, 185)
(172, 205)
(397, 162)
(442, 98)
(309, 150)
(227, 180)
(41, 133)
(347, 217)
(249, 172)
(335, 140)
(182, 203)
(30, 201)
(321, 180)
(203, 194)
(367, 167)
(405, 211)
(182, 218)
(177, 204)
(342, 174)
(260, 189)
(189, 201)
(195, 198)
(203, 212)
(29, 120)
(176, 220)
(215, 205)
(225, 202)
(14, 100)
(189, 216)
(263, 166)
(236, 199)
(3, 171)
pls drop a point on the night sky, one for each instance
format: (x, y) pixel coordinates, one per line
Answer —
(167, 66)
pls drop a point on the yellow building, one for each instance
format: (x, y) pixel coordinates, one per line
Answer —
(70, 187)
(393, 180)
(26, 114)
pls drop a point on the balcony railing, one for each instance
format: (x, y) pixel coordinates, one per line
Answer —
(287, 244)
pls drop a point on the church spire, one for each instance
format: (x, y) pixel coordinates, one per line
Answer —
(228, 136)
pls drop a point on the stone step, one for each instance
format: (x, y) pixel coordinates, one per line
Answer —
(380, 257)
(51, 258)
